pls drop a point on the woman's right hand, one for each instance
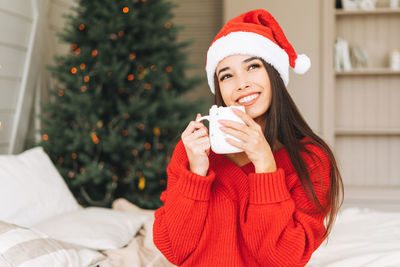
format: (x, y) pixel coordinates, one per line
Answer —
(197, 144)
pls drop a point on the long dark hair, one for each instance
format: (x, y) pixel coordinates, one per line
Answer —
(286, 124)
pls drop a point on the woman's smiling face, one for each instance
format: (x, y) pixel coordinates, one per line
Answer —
(243, 80)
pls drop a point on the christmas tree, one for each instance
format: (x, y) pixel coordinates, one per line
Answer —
(117, 110)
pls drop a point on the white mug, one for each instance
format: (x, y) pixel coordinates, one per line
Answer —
(217, 137)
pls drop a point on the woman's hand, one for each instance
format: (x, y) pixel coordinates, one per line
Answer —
(197, 144)
(252, 139)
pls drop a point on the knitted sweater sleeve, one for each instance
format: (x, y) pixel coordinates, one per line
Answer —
(282, 227)
(179, 224)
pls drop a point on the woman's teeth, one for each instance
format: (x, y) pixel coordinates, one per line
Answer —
(248, 98)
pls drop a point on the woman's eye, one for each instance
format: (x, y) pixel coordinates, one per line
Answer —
(225, 77)
(254, 66)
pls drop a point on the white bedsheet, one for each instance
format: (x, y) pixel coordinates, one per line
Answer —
(361, 237)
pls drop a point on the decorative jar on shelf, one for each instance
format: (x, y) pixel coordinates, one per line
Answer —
(394, 59)
(394, 3)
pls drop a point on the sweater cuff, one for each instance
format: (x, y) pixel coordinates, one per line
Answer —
(194, 186)
(268, 188)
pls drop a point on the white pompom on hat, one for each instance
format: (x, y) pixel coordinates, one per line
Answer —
(255, 33)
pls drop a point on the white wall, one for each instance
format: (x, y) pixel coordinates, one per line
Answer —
(13, 51)
(20, 49)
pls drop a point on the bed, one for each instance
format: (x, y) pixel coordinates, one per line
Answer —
(41, 224)
(361, 237)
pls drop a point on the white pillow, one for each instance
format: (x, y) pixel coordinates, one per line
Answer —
(96, 228)
(31, 189)
(21, 246)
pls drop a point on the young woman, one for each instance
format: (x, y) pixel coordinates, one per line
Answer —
(274, 203)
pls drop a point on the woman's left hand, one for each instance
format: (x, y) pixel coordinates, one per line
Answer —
(252, 139)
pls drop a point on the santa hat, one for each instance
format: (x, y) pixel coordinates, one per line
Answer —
(255, 33)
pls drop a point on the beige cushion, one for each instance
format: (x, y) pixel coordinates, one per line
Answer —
(94, 227)
(26, 247)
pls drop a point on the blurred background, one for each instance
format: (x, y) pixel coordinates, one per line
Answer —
(350, 96)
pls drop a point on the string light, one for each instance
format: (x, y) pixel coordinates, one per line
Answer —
(125, 9)
(94, 137)
(99, 124)
(168, 69)
(135, 152)
(45, 137)
(131, 77)
(78, 51)
(74, 70)
(83, 88)
(71, 174)
(147, 145)
(94, 53)
(60, 93)
(153, 67)
(147, 86)
(121, 33)
(81, 27)
(74, 46)
(86, 78)
(141, 126)
(82, 170)
(82, 66)
(132, 56)
(74, 155)
(156, 131)
(167, 25)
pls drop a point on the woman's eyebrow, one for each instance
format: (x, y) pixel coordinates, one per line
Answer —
(223, 69)
(250, 59)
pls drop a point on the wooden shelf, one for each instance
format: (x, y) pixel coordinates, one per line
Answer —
(341, 12)
(368, 71)
(367, 132)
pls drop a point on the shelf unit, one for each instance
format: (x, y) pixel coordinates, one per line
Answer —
(361, 114)
(340, 12)
(368, 71)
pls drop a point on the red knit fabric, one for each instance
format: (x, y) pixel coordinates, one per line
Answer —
(235, 217)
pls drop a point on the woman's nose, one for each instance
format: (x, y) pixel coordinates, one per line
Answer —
(242, 82)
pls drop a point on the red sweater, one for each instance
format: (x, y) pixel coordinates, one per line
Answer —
(235, 217)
